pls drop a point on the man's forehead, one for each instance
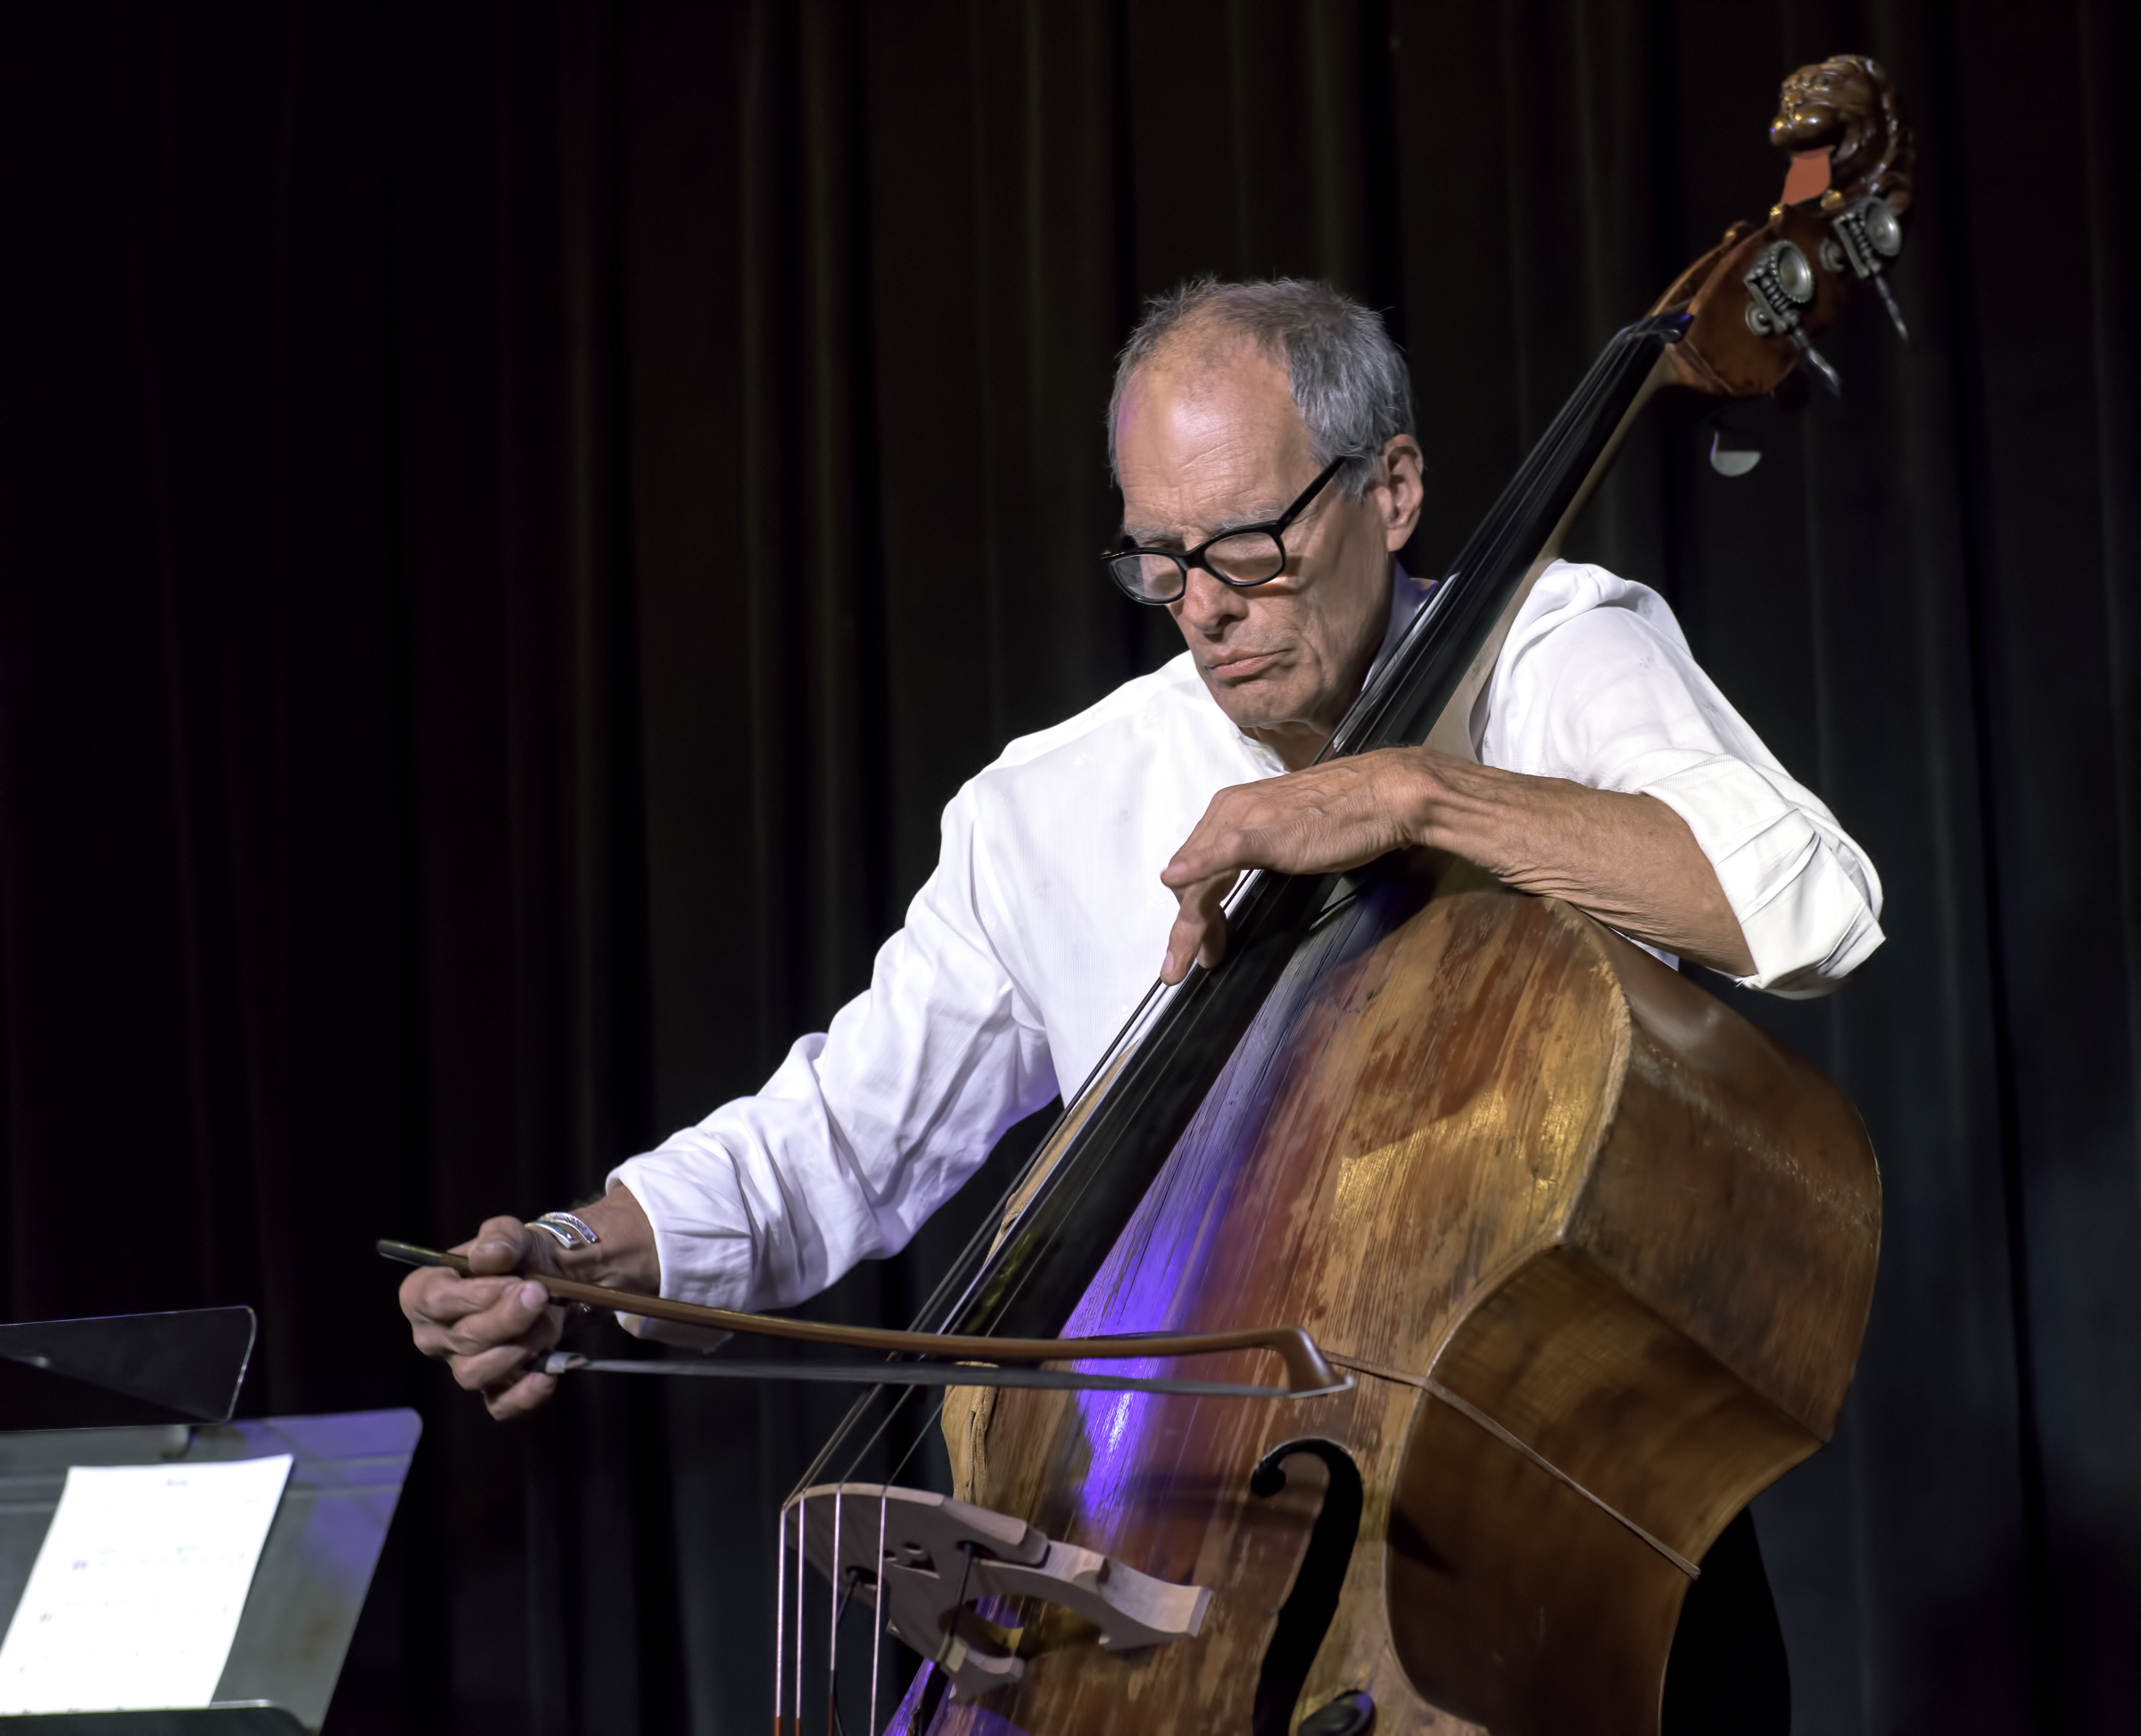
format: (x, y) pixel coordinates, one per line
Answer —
(1224, 369)
(1206, 429)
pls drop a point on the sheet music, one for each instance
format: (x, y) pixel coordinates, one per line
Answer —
(137, 1591)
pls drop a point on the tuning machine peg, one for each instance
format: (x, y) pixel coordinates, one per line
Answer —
(1864, 237)
(1780, 285)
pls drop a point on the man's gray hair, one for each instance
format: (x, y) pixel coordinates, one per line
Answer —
(1349, 383)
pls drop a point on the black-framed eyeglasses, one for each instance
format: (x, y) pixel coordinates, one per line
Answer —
(1248, 555)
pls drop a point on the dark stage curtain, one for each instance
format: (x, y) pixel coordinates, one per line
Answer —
(514, 517)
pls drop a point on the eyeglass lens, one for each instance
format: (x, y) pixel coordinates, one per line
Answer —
(1252, 558)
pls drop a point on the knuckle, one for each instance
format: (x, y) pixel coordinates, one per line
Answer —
(493, 1370)
(418, 1287)
(473, 1338)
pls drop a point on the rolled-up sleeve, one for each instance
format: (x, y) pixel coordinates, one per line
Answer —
(865, 1129)
(1806, 897)
(1596, 683)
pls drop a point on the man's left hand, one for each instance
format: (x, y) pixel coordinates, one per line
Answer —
(1329, 817)
(1628, 860)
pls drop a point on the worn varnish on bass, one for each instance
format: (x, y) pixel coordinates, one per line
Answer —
(1493, 1145)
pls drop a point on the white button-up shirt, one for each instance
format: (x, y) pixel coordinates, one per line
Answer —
(1044, 924)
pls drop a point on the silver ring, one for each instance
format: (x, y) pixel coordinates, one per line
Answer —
(570, 1232)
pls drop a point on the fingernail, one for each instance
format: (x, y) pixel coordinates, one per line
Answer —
(533, 1296)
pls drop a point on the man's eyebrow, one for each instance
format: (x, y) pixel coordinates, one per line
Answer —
(1147, 537)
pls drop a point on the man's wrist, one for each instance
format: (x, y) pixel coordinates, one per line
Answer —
(615, 1243)
(1424, 798)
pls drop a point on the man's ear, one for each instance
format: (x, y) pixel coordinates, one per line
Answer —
(1403, 489)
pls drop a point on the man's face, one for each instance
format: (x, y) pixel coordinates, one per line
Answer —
(1207, 439)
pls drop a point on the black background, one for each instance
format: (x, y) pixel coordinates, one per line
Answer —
(514, 517)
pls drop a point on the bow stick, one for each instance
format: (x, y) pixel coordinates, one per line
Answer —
(1307, 1374)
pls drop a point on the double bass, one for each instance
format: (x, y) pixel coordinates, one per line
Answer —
(1595, 1252)
(1562, 1259)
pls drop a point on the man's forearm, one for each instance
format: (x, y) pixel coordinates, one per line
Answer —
(1628, 860)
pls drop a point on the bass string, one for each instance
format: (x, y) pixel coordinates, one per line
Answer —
(883, 1503)
(780, 1615)
(817, 1470)
(1041, 1223)
(1548, 465)
(1544, 472)
(1510, 528)
(969, 1259)
(810, 1477)
(877, 1603)
(796, 1503)
(984, 1239)
(832, 1636)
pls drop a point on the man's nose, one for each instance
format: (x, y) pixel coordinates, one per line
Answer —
(1207, 606)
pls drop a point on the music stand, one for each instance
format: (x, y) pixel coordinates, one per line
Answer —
(175, 1377)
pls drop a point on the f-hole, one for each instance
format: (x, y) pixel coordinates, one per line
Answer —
(1305, 1617)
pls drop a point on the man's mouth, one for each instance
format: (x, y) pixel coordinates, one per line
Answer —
(1240, 668)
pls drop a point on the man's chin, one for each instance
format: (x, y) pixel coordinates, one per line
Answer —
(1253, 705)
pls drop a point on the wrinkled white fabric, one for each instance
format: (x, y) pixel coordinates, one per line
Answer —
(1045, 920)
(1596, 684)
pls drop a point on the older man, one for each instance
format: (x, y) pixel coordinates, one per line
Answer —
(1262, 436)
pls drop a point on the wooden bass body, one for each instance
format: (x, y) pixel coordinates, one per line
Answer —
(1600, 1256)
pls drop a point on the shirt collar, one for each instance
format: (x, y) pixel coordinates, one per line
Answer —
(1407, 594)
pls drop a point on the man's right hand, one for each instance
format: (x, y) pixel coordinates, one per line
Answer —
(488, 1328)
